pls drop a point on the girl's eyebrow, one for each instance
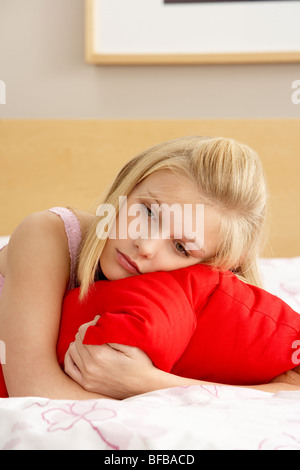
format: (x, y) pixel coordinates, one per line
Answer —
(153, 196)
(147, 194)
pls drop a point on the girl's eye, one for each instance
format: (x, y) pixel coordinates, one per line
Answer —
(148, 210)
(180, 248)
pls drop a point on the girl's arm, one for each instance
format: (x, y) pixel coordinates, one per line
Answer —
(37, 274)
(123, 371)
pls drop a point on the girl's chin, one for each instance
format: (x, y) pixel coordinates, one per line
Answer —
(116, 274)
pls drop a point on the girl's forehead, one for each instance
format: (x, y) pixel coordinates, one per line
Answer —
(167, 186)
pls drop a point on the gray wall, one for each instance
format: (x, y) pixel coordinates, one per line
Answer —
(42, 64)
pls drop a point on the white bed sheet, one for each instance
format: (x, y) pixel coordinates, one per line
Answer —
(3, 241)
(185, 418)
(192, 418)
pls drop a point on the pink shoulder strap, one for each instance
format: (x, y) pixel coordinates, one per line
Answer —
(73, 232)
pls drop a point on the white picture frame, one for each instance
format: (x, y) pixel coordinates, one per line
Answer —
(150, 32)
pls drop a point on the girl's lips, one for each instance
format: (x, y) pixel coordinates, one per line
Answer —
(127, 263)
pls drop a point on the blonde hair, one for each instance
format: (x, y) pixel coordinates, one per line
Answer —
(229, 176)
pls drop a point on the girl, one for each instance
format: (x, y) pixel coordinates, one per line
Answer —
(38, 264)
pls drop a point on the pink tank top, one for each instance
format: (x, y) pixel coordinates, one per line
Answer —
(73, 232)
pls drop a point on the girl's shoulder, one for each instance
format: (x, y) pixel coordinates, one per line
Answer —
(59, 222)
(76, 222)
(85, 219)
(76, 225)
(49, 236)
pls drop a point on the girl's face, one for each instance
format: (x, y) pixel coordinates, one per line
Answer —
(162, 226)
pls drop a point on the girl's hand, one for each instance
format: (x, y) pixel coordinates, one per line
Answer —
(114, 370)
(291, 377)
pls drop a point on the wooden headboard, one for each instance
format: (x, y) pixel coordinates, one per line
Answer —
(44, 163)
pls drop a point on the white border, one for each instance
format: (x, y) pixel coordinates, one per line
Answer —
(152, 27)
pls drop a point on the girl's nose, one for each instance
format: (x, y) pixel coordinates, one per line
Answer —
(147, 247)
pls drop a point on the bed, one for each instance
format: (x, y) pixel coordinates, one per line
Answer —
(47, 163)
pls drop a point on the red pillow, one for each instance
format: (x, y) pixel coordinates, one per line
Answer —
(3, 391)
(195, 322)
(151, 311)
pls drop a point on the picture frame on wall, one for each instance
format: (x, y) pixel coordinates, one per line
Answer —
(171, 32)
(215, 1)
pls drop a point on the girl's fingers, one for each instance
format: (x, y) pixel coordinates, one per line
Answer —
(71, 369)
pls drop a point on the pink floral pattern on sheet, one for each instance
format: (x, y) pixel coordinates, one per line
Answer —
(65, 416)
(285, 442)
(195, 417)
(12, 444)
(212, 390)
